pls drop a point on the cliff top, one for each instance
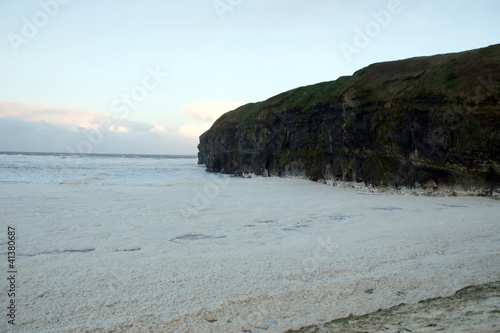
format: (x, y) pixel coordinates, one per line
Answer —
(469, 77)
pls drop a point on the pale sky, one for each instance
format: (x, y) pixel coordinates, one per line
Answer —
(129, 76)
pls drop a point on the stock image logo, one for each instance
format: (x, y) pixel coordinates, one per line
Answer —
(222, 7)
(371, 30)
(31, 26)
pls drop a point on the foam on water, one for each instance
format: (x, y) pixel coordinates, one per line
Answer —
(105, 168)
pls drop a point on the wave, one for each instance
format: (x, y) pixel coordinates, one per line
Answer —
(84, 181)
(81, 169)
(66, 155)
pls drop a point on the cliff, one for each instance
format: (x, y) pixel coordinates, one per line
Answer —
(427, 121)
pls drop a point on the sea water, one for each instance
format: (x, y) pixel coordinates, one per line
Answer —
(98, 168)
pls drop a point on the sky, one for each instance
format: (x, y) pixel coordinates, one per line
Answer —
(150, 76)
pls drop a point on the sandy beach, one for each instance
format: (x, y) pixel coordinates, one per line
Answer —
(224, 254)
(472, 309)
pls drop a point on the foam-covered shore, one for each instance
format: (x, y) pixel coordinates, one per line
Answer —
(428, 190)
(472, 309)
(227, 254)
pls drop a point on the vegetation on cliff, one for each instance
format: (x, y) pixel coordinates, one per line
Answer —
(426, 120)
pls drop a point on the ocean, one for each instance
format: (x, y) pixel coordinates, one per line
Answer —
(147, 243)
(19, 167)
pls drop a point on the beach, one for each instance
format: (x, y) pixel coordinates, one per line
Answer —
(472, 309)
(228, 254)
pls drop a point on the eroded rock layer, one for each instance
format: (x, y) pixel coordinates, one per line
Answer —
(427, 121)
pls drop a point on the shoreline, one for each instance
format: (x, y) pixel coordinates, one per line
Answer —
(445, 191)
(254, 254)
(471, 309)
(427, 190)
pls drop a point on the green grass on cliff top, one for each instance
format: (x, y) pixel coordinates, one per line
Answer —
(302, 99)
(464, 77)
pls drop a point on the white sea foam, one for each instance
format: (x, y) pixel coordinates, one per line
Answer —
(110, 247)
(103, 168)
(222, 254)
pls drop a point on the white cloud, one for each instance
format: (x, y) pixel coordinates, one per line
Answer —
(120, 129)
(194, 130)
(70, 117)
(48, 128)
(158, 128)
(88, 125)
(19, 135)
(54, 128)
(208, 111)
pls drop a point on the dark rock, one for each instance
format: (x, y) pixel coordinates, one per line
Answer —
(428, 121)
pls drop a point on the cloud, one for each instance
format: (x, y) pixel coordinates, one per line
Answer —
(208, 111)
(88, 125)
(28, 127)
(54, 129)
(158, 128)
(70, 117)
(118, 129)
(194, 130)
(20, 135)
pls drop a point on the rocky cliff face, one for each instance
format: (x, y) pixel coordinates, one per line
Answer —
(428, 121)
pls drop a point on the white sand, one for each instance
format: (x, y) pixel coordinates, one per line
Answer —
(253, 255)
